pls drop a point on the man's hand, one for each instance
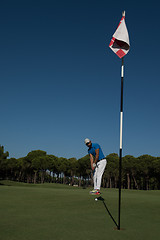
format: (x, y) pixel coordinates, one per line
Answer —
(93, 166)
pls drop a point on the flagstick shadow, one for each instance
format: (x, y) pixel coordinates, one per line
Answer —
(103, 200)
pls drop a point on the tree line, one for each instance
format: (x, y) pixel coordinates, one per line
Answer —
(141, 173)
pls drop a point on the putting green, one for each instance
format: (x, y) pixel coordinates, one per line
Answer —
(53, 211)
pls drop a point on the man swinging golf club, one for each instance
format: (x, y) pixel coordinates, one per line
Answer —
(98, 164)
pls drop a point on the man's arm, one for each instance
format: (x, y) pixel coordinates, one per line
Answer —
(94, 161)
(97, 156)
(91, 160)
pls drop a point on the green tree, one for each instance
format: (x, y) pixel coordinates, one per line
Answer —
(53, 165)
(145, 167)
(3, 161)
(72, 168)
(156, 172)
(128, 163)
(29, 165)
(84, 170)
(63, 168)
(111, 172)
(41, 164)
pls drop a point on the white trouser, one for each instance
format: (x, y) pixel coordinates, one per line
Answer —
(98, 172)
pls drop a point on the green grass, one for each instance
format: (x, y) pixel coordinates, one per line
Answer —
(53, 211)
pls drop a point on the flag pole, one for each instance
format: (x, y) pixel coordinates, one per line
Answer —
(120, 150)
(120, 45)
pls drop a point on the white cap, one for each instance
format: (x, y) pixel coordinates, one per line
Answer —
(87, 140)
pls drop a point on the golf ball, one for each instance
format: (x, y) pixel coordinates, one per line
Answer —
(96, 199)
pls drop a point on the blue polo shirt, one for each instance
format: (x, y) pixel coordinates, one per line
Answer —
(92, 149)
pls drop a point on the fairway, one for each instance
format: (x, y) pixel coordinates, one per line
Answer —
(54, 211)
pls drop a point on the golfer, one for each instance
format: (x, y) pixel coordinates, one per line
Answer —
(98, 164)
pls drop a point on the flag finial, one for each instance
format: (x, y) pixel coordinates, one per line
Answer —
(123, 13)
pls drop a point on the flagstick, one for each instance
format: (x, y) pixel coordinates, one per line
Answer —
(121, 34)
(120, 151)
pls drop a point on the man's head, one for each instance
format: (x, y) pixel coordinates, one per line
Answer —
(88, 142)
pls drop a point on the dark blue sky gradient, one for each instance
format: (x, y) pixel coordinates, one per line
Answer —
(60, 82)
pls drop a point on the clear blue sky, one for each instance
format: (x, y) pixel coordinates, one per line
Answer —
(60, 82)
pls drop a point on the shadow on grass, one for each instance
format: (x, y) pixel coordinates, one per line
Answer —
(103, 200)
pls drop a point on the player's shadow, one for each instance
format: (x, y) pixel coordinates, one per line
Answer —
(102, 199)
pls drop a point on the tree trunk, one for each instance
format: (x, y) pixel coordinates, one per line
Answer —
(19, 176)
(147, 183)
(92, 182)
(115, 179)
(35, 177)
(72, 181)
(135, 182)
(110, 183)
(79, 180)
(28, 178)
(128, 181)
(64, 179)
(107, 183)
(103, 182)
(42, 177)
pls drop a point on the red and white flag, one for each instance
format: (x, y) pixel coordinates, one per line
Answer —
(120, 40)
